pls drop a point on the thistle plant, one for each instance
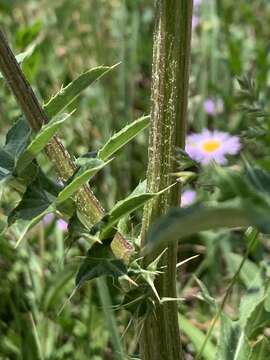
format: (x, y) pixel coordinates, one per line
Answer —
(143, 263)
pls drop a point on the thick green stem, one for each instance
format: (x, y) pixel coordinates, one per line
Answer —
(160, 339)
(86, 201)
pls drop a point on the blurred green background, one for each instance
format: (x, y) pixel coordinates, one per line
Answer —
(64, 38)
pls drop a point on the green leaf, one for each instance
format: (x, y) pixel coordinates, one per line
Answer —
(76, 227)
(139, 189)
(258, 319)
(16, 141)
(197, 338)
(33, 203)
(49, 185)
(81, 177)
(182, 222)
(76, 230)
(83, 159)
(233, 344)
(254, 296)
(6, 164)
(261, 350)
(100, 261)
(123, 208)
(267, 300)
(69, 93)
(118, 140)
(40, 141)
(18, 138)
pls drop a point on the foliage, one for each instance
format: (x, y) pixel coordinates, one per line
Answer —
(55, 44)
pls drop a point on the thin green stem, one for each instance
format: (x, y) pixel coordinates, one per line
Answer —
(227, 294)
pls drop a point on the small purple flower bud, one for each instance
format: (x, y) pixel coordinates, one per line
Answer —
(188, 197)
(209, 106)
(195, 21)
(213, 107)
(48, 218)
(62, 225)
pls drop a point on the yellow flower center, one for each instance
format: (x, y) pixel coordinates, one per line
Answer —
(211, 145)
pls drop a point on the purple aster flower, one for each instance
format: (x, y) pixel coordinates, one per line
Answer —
(213, 107)
(212, 145)
(188, 197)
(62, 225)
(48, 218)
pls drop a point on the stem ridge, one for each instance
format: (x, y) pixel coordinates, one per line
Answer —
(160, 339)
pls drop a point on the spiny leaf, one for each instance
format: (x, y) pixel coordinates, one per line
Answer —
(69, 93)
(49, 185)
(123, 208)
(34, 202)
(100, 261)
(75, 227)
(40, 141)
(16, 141)
(83, 159)
(76, 230)
(139, 189)
(18, 138)
(81, 177)
(121, 138)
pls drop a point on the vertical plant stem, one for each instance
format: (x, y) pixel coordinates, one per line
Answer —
(160, 338)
